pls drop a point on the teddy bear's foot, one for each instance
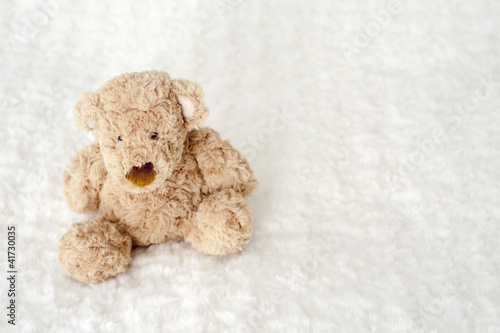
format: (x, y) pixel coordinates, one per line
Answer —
(93, 251)
(222, 225)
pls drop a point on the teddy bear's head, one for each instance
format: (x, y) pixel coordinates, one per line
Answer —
(141, 121)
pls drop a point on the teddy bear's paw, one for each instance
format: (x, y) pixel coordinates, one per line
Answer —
(223, 224)
(93, 251)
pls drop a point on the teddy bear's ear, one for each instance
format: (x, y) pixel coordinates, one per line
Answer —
(190, 97)
(86, 110)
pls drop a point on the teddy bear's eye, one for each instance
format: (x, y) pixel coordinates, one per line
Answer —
(154, 135)
(120, 138)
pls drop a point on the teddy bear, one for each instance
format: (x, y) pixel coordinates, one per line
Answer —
(154, 174)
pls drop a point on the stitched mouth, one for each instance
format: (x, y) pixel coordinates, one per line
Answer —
(142, 176)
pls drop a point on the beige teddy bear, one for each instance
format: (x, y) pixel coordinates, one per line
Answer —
(154, 173)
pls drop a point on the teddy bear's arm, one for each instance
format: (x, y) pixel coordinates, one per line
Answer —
(83, 179)
(222, 166)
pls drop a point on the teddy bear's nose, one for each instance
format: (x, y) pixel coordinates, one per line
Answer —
(141, 176)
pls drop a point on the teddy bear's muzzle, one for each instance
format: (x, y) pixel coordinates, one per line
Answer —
(142, 176)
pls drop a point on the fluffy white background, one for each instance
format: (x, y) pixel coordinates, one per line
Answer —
(379, 200)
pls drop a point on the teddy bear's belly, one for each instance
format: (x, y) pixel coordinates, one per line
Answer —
(153, 217)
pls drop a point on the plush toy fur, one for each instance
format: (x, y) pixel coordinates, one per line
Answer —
(154, 174)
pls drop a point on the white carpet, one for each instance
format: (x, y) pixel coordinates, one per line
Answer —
(378, 158)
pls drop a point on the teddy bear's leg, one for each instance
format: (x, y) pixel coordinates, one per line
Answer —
(93, 251)
(222, 224)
